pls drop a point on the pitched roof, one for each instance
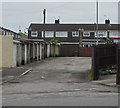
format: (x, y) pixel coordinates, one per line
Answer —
(71, 27)
(8, 30)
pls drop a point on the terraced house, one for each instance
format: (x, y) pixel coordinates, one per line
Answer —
(69, 35)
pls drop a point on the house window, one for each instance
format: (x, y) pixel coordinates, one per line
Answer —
(34, 33)
(61, 34)
(114, 33)
(75, 34)
(86, 34)
(101, 34)
(49, 34)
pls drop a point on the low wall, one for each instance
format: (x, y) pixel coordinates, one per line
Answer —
(0, 51)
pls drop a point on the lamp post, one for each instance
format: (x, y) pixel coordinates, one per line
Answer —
(80, 36)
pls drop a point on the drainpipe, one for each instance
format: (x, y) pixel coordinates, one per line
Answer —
(80, 36)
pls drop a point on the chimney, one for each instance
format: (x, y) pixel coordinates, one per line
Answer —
(57, 21)
(107, 21)
(20, 29)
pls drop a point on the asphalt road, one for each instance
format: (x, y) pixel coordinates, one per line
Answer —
(58, 82)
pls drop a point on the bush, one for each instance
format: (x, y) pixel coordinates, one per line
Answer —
(54, 41)
(107, 71)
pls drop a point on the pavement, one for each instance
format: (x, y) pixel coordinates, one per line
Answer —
(7, 74)
(107, 80)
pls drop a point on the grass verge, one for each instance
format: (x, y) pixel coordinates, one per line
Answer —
(89, 75)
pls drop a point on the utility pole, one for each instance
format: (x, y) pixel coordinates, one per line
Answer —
(44, 13)
(44, 20)
(97, 22)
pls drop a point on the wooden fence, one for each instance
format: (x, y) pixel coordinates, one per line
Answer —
(118, 67)
(103, 56)
(85, 51)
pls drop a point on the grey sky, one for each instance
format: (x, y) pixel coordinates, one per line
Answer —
(23, 13)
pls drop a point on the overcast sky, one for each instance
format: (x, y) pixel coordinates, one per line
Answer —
(23, 13)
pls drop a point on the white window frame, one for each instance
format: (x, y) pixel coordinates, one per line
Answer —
(42, 34)
(34, 35)
(65, 36)
(51, 34)
(114, 32)
(99, 32)
(84, 35)
(75, 33)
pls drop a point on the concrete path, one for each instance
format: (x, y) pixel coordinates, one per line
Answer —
(59, 82)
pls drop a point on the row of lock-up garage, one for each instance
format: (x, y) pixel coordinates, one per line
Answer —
(27, 51)
(20, 52)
